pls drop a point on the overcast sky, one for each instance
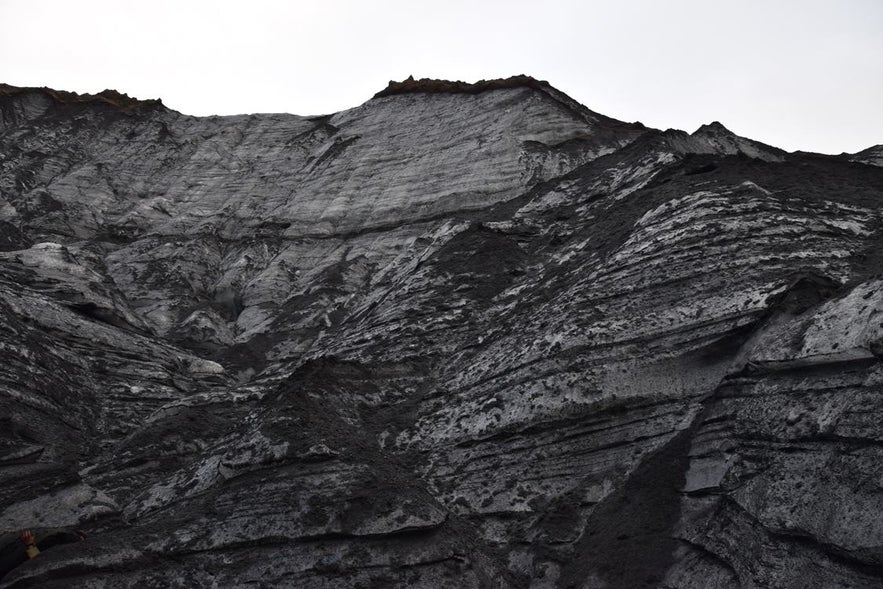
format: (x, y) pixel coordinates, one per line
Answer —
(801, 74)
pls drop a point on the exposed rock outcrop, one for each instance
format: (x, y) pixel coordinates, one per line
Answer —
(458, 336)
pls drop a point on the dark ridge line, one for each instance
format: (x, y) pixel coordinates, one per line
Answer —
(434, 86)
(117, 100)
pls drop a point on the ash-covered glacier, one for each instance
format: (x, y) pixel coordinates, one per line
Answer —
(462, 335)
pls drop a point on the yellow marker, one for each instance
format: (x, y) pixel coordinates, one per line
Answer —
(30, 543)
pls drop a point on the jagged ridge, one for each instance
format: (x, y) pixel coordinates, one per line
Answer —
(117, 100)
(429, 85)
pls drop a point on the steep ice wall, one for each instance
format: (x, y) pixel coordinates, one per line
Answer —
(458, 336)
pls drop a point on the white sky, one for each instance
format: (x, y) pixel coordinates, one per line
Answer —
(798, 74)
